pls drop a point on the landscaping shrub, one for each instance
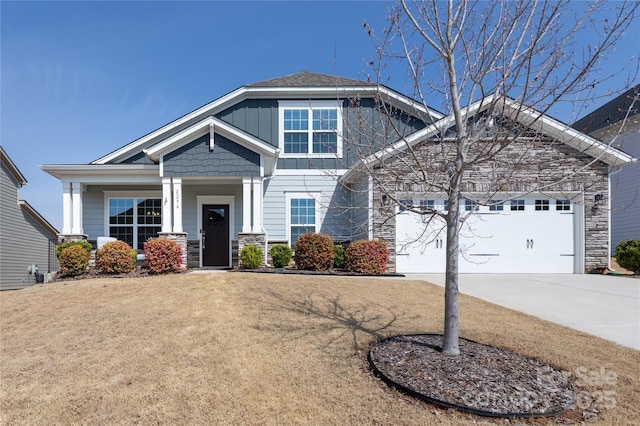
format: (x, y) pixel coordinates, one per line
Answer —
(628, 255)
(314, 252)
(251, 256)
(84, 244)
(163, 255)
(74, 260)
(115, 257)
(280, 255)
(338, 260)
(367, 257)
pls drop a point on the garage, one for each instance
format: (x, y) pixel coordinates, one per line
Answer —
(523, 235)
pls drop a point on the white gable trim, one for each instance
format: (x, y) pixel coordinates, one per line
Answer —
(205, 127)
(268, 92)
(525, 115)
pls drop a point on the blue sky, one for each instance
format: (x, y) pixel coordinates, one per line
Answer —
(80, 79)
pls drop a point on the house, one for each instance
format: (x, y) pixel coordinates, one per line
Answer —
(278, 158)
(27, 240)
(605, 123)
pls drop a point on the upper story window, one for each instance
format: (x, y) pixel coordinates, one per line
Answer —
(310, 129)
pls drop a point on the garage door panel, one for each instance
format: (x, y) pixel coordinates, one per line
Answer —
(524, 241)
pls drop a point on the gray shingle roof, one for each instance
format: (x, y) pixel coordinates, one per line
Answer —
(311, 79)
(610, 113)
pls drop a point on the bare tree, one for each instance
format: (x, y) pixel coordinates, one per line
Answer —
(495, 69)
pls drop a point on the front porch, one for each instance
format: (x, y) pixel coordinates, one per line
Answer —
(211, 218)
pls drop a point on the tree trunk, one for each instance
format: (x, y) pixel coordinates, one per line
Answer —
(450, 345)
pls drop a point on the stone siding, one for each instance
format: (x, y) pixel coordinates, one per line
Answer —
(527, 167)
(246, 239)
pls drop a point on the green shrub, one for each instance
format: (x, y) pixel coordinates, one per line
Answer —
(84, 244)
(163, 255)
(251, 256)
(367, 257)
(74, 260)
(628, 255)
(314, 252)
(338, 260)
(280, 255)
(116, 257)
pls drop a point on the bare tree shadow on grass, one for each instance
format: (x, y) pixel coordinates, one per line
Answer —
(329, 319)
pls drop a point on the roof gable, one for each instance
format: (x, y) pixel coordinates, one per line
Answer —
(305, 85)
(509, 108)
(12, 168)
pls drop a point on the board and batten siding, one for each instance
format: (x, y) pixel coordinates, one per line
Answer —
(23, 241)
(360, 209)
(334, 204)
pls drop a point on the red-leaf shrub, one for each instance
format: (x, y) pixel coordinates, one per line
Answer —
(367, 257)
(163, 255)
(116, 257)
(74, 260)
(314, 252)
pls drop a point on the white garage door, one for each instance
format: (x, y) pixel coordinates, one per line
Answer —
(529, 235)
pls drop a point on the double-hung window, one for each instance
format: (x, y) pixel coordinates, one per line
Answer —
(134, 219)
(302, 215)
(310, 129)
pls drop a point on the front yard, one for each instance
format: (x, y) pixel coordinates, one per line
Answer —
(258, 349)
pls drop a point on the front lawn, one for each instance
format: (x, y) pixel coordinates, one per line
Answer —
(258, 349)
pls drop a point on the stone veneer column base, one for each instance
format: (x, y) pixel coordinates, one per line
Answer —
(250, 238)
(62, 238)
(181, 239)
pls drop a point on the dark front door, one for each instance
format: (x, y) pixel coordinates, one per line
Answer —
(215, 235)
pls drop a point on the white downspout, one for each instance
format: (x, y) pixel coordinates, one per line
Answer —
(262, 228)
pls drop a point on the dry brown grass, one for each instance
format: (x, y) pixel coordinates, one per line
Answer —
(241, 348)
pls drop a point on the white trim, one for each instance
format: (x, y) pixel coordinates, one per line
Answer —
(67, 208)
(82, 172)
(310, 172)
(257, 205)
(177, 203)
(167, 209)
(538, 121)
(212, 142)
(243, 93)
(76, 208)
(306, 195)
(216, 199)
(309, 106)
(246, 205)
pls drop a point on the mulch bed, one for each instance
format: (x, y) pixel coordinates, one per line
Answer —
(335, 272)
(482, 380)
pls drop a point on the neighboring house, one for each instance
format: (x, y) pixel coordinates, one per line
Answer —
(276, 159)
(618, 123)
(26, 238)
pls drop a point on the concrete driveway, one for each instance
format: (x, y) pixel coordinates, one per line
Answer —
(605, 306)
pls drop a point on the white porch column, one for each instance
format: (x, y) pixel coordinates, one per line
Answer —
(246, 205)
(177, 205)
(66, 208)
(257, 205)
(76, 202)
(166, 205)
